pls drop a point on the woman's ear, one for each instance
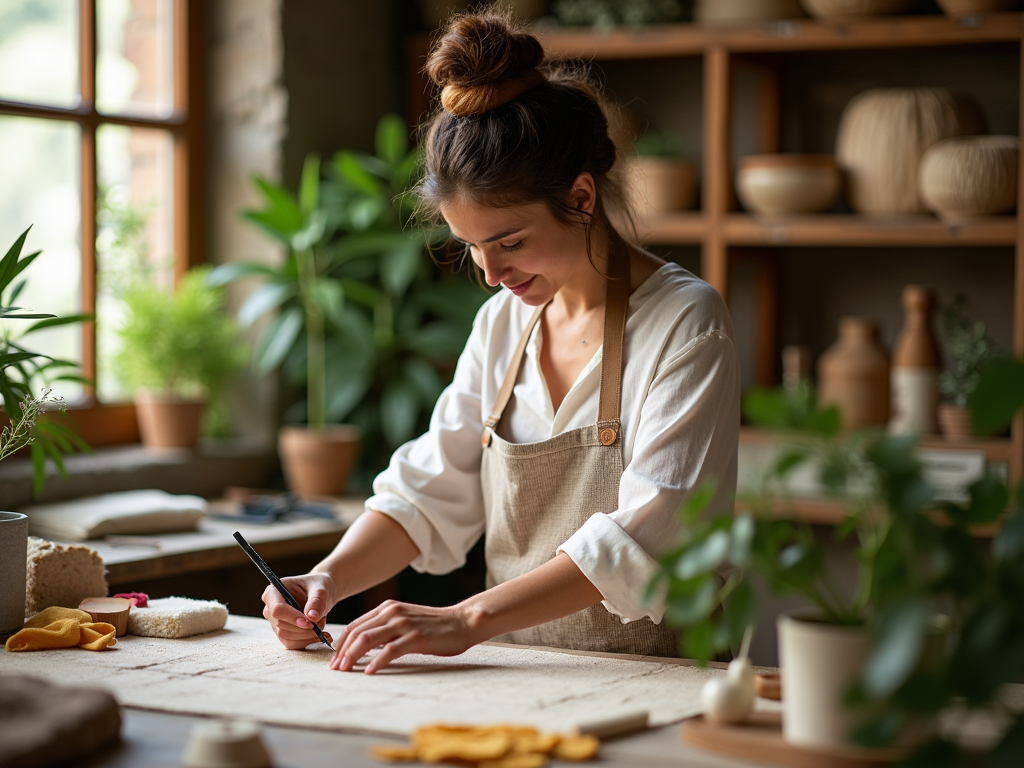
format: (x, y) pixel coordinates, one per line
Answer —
(584, 193)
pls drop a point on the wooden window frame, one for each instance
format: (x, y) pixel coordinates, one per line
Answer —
(104, 424)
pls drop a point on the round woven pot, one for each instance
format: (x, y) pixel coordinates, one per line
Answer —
(833, 9)
(853, 374)
(745, 11)
(777, 185)
(971, 176)
(955, 422)
(882, 135)
(166, 421)
(959, 8)
(318, 462)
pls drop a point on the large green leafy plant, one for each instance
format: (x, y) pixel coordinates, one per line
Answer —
(916, 557)
(23, 372)
(359, 316)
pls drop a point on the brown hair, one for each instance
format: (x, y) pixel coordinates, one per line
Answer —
(512, 128)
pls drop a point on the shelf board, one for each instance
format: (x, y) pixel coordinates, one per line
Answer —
(849, 230)
(681, 40)
(685, 228)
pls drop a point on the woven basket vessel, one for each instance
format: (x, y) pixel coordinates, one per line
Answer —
(831, 9)
(971, 176)
(882, 135)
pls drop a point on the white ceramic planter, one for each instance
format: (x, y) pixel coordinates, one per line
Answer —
(819, 661)
(13, 564)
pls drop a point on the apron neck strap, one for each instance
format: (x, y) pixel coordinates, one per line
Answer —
(616, 304)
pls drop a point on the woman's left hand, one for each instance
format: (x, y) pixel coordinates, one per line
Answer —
(401, 628)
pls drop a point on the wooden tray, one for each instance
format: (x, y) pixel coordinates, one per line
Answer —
(760, 740)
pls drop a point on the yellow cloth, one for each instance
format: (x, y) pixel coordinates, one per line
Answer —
(62, 628)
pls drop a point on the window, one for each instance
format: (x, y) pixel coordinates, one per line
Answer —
(100, 150)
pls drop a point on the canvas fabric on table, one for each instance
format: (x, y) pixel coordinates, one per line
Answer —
(242, 671)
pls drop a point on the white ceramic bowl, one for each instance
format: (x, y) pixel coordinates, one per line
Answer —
(778, 185)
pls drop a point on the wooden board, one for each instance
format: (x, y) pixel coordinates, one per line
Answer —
(761, 739)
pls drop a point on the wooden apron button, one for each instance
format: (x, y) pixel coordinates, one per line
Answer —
(607, 436)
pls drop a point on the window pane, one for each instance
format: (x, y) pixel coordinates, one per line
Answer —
(39, 51)
(135, 231)
(134, 66)
(40, 161)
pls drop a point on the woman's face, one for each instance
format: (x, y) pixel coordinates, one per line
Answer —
(523, 247)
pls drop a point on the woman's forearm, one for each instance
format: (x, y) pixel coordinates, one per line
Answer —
(556, 589)
(373, 550)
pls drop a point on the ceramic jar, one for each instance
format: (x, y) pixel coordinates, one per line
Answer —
(745, 11)
(853, 374)
(13, 569)
(959, 8)
(916, 365)
(780, 184)
(831, 9)
(971, 176)
(883, 132)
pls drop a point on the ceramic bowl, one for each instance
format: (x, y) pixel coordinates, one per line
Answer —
(778, 185)
(226, 744)
(970, 176)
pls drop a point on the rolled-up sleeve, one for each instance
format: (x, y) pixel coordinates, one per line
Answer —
(687, 433)
(432, 484)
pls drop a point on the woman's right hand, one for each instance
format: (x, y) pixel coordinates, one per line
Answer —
(314, 591)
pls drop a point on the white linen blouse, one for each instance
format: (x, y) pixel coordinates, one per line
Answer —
(680, 417)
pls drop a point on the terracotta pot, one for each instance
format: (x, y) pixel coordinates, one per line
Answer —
(13, 570)
(787, 184)
(833, 9)
(166, 421)
(960, 8)
(883, 133)
(662, 184)
(955, 421)
(853, 374)
(318, 462)
(744, 11)
(971, 176)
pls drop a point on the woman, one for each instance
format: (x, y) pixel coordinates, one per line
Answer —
(597, 389)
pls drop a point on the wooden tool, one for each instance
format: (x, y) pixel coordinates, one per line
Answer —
(613, 724)
(113, 610)
(768, 685)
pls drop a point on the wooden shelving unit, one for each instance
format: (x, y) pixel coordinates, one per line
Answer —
(719, 229)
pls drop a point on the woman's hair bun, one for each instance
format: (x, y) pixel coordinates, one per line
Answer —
(484, 48)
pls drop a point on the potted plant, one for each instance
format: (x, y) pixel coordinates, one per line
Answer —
(968, 349)
(607, 14)
(660, 179)
(23, 372)
(177, 351)
(362, 320)
(916, 558)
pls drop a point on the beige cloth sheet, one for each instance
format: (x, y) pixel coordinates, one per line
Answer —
(242, 671)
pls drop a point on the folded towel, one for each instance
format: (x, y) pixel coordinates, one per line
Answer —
(127, 512)
(175, 617)
(62, 628)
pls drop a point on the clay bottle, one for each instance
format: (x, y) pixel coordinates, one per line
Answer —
(915, 367)
(796, 366)
(853, 374)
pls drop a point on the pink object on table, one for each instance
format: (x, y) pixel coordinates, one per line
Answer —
(139, 599)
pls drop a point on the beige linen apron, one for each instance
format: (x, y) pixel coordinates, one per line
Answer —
(536, 495)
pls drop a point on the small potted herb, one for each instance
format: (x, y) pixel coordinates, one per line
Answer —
(660, 179)
(178, 349)
(968, 349)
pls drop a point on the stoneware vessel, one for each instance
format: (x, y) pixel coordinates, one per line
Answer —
(853, 374)
(955, 422)
(13, 567)
(959, 8)
(916, 364)
(832, 9)
(745, 11)
(662, 184)
(780, 184)
(226, 744)
(883, 133)
(166, 421)
(971, 176)
(318, 462)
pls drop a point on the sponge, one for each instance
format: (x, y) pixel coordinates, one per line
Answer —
(175, 617)
(61, 575)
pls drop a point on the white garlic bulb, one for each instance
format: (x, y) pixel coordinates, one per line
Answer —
(729, 698)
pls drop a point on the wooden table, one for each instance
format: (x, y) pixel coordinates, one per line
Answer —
(157, 740)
